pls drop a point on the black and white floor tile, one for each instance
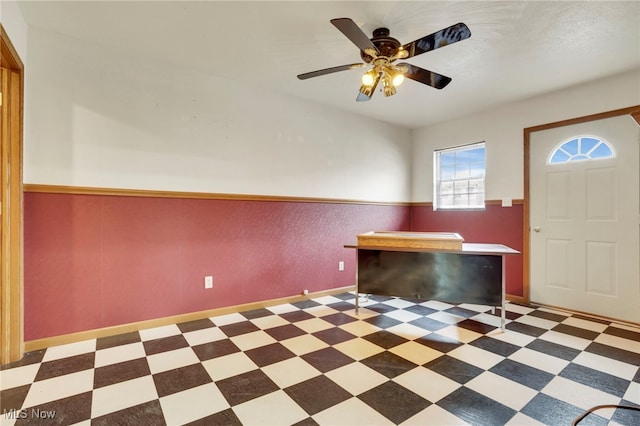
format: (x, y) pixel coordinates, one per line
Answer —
(317, 362)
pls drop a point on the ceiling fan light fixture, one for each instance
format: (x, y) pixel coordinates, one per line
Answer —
(369, 78)
(397, 79)
(387, 85)
(366, 90)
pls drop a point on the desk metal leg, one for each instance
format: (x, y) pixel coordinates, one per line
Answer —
(503, 316)
(357, 293)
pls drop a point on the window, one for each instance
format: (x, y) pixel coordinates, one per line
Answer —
(459, 177)
(579, 149)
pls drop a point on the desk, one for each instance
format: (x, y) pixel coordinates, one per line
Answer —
(474, 273)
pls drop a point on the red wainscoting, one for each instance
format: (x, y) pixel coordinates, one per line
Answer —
(495, 224)
(94, 261)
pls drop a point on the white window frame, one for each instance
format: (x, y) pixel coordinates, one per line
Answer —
(453, 187)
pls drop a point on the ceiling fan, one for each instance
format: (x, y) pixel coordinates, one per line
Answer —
(382, 51)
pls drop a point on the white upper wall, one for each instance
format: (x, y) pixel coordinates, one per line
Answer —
(15, 26)
(100, 118)
(502, 130)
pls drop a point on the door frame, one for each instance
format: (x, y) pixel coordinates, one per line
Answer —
(11, 207)
(633, 111)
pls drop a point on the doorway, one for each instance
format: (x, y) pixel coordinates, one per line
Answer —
(11, 272)
(581, 215)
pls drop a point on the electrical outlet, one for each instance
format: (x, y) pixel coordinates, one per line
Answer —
(208, 281)
(341, 265)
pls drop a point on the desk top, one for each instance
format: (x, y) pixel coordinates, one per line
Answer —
(414, 240)
(467, 248)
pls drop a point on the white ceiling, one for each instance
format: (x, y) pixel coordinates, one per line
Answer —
(518, 49)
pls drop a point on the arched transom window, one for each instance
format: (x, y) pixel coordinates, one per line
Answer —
(581, 148)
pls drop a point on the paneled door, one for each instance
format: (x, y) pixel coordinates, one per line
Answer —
(585, 216)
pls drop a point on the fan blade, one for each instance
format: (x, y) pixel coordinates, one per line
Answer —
(363, 97)
(353, 32)
(329, 71)
(444, 37)
(427, 77)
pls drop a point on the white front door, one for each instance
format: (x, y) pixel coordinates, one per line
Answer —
(584, 218)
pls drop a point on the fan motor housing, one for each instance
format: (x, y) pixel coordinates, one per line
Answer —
(387, 45)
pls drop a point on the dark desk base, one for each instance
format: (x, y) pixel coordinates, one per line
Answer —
(446, 277)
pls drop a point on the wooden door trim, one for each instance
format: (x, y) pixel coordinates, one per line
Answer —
(633, 111)
(11, 209)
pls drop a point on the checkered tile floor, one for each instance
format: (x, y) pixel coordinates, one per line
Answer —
(317, 362)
